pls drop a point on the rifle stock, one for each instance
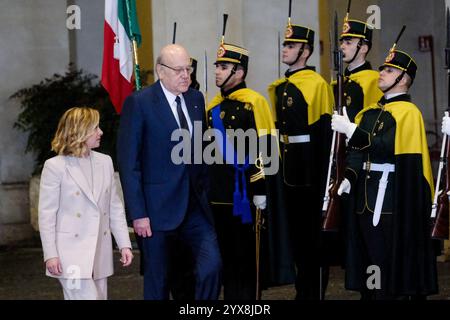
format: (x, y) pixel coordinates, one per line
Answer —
(332, 214)
(441, 224)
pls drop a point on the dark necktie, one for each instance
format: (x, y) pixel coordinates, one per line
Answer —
(181, 117)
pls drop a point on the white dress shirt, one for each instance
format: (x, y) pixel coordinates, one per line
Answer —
(173, 106)
(392, 95)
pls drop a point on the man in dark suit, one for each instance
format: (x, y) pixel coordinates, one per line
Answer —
(167, 201)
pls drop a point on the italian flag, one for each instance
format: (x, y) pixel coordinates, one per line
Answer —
(117, 69)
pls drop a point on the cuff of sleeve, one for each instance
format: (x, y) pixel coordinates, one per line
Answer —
(351, 130)
(351, 175)
(359, 139)
(50, 256)
(125, 243)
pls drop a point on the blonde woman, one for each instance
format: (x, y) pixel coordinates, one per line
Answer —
(79, 208)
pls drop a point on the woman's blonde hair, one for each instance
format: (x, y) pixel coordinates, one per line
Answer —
(74, 128)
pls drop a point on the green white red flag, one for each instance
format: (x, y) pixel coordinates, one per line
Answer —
(117, 69)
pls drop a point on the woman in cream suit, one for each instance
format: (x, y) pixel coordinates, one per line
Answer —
(79, 208)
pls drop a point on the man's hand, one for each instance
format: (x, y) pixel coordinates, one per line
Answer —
(127, 256)
(142, 227)
(344, 187)
(260, 202)
(342, 124)
(53, 266)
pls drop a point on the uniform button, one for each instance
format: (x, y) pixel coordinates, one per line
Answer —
(233, 117)
(77, 193)
(106, 191)
(105, 233)
(285, 150)
(284, 122)
(345, 94)
(210, 118)
(285, 94)
(209, 127)
(78, 215)
(374, 134)
(229, 127)
(237, 108)
(283, 108)
(104, 213)
(76, 235)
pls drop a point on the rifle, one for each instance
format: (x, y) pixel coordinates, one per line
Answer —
(174, 36)
(331, 205)
(440, 208)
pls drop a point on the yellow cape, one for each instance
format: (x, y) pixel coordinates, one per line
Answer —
(368, 80)
(261, 111)
(410, 135)
(316, 91)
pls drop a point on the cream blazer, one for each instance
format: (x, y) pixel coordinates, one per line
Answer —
(76, 222)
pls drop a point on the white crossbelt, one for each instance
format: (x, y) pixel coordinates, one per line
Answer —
(294, 139)
(385, 168)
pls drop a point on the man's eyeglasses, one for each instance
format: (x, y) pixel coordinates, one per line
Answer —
(180, 70)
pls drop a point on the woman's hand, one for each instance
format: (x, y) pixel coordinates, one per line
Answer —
(53, 266)
(127, 256)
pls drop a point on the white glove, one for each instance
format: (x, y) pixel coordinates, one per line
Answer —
(344, 187)
(342, 124)
(260, 202)
(446, 124)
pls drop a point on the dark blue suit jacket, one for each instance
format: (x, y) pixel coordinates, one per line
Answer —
(152, 184)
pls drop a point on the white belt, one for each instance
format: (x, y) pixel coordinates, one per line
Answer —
(385, 168)
(284, 138)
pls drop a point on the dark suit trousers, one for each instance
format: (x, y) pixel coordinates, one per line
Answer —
(199, 236)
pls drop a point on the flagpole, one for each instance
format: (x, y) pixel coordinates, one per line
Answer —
(137, 68)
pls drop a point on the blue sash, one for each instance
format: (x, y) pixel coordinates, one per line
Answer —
(241, 205)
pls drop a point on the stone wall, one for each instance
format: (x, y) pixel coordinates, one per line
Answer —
(253, 24)
(34, 46)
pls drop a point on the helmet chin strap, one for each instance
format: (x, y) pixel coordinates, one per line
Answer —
(233, 71)
(300, 52)
(358, 47)
(395, 82)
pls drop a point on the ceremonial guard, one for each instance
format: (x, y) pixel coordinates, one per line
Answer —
(360, 82)
(389, 178)
(303, 103)
(240, 177)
